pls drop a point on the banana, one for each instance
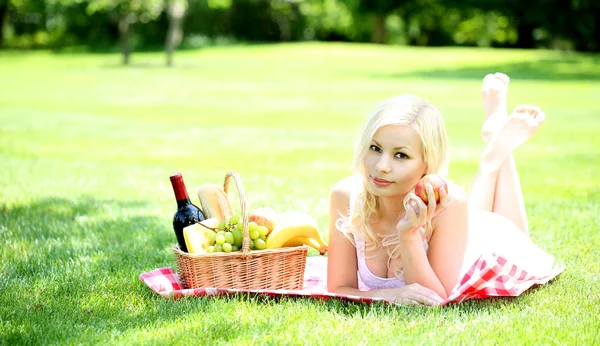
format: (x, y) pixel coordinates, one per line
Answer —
(299, 241)
(291, 225)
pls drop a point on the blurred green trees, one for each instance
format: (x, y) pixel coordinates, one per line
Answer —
(144, 24)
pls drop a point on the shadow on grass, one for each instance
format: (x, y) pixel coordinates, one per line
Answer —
(159, 64)
(586, 68)
(118, 233)
(72, 267)
(570, 68)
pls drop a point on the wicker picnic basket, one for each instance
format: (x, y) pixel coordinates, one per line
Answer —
(269, 269)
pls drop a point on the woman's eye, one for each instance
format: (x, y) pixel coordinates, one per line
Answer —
(375, 148)
(401, 156)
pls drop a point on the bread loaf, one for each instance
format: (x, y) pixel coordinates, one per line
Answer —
(214, 201)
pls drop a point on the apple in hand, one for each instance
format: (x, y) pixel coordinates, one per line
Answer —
(436, 182)
(264, 216)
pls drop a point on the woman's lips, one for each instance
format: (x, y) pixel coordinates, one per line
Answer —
(381, 182)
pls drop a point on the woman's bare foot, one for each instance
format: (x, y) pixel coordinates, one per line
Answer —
(516, 129)
(493, 95)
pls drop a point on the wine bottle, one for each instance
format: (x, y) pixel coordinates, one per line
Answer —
(187, 213)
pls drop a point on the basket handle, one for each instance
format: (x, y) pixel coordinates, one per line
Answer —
(243, 205)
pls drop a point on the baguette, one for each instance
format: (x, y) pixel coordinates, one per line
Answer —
(214, 202)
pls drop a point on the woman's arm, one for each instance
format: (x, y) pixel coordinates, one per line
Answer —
(341, 256)
(342, 262)
(448, 242)
(439, 268)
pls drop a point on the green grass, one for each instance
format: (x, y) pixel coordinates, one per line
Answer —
(87, 146)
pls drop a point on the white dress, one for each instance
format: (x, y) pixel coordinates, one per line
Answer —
(493, 233)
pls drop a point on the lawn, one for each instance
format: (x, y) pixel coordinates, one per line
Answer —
(87, 147)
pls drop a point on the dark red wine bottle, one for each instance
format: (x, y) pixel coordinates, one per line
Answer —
(187, 213)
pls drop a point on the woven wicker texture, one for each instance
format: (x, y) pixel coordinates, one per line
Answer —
(246, 269)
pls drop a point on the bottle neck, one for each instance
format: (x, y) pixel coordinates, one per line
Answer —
(179, 189)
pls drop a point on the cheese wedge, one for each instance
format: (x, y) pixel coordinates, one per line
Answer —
(198, 238)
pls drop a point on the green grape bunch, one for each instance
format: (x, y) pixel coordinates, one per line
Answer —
(228, 236)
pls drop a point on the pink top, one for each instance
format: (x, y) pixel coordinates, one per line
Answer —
(372, 281)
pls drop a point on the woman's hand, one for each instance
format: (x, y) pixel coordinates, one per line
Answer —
(410, 295)
(418, 213)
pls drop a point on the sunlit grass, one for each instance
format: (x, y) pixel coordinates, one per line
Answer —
(86, 148)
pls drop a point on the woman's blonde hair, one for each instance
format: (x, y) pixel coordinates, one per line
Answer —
(403, 110)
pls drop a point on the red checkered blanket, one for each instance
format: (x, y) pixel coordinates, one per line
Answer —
(490, 276)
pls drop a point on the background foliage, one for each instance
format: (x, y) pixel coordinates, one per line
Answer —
(561, 24)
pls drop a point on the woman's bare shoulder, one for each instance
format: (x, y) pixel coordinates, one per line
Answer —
(341, 191)
(457, 201)
(456, 192)
(346, 185)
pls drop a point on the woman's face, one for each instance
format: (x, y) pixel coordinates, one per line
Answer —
(394, 162)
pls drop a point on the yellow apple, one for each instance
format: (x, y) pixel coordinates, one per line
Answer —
(263, 216)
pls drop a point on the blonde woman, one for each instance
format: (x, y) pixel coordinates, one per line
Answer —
(404, 250)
